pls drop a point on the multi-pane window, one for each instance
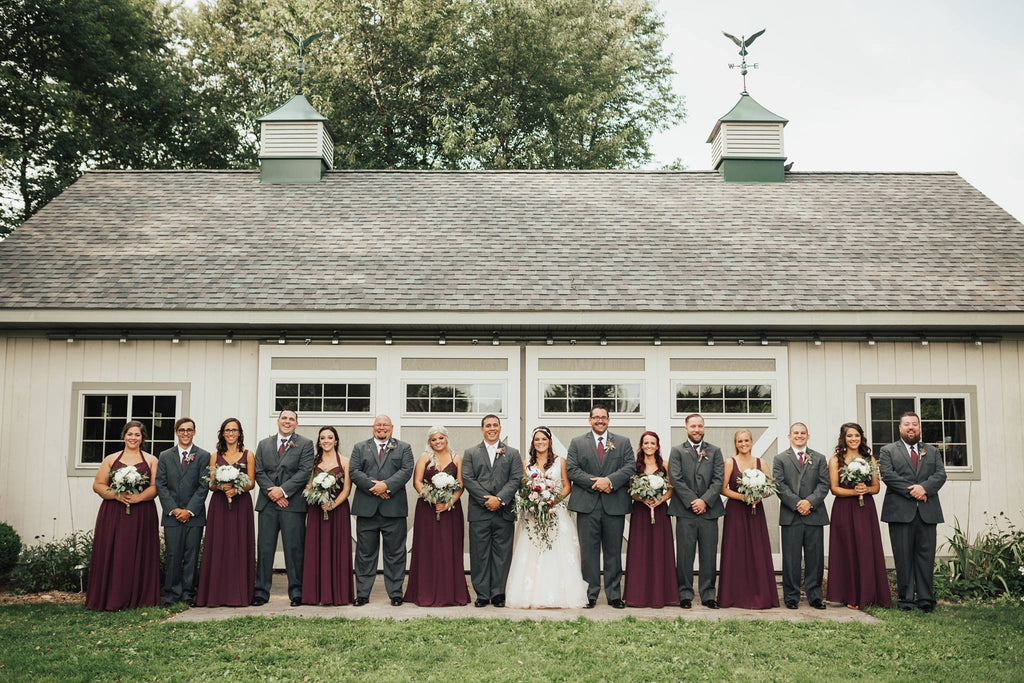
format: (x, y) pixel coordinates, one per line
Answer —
(723, 398)
(943, 423)
(580, 398)
(104, 416)
(315, 397)
(454, 398)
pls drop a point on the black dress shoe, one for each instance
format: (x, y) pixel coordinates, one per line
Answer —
(359, 602)
(818, 604)
(686, 604)
(790, 604)
(256, 602)
(590, 604)
(396, 602)
(481, 602)
(499, 601)
(710, 604)
(906, 608)
(928, 608)
(295, 602)
(617, 603)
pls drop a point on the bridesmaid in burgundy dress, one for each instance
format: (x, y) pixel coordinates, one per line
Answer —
(327, 563)
(125, 567)
(746, 576)
(437, 574)
(856, 564)
(227, 573)
(650, 560)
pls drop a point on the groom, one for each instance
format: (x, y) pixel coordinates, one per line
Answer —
(491, 472)
(599, 465)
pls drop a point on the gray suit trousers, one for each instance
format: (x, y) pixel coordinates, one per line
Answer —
(490, 555)
(182, 561)
(693, 532)
(913, 553)
(807, 540)
(369, 531)
(292, 527)
(600, 531)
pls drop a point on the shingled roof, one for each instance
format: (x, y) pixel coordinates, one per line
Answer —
(517, 241)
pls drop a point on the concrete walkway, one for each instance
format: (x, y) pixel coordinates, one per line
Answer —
(380, 607)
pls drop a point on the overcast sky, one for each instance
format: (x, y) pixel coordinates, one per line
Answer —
(900, 85)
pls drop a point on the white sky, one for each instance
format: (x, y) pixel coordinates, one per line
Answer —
(899, 85)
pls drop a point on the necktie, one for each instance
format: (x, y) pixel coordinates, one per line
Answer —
(913, 455)
(600, 449)
(280, 449)
(800, 457)
(184, 454)
(380, 455)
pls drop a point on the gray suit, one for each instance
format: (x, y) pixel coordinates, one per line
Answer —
(802, 535)
(291, 471)
(696, 476)
(377, 518)
(491, 533)
(186, 489)
(912, 524)
(600, 517)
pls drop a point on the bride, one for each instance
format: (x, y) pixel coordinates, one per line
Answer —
(539, 576)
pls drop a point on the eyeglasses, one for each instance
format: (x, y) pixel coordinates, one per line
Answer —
(186, 430)
(231, 431)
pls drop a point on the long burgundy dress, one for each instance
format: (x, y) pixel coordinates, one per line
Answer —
(437, 574)
(746, 577)
(650, 561)
(856, 564)
(125, 568)
(228, 570)
(327, 563)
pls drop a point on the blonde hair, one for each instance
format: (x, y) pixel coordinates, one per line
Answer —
(436, 429)
(737, 433)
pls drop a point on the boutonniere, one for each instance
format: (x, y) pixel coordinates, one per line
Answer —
(703, 454)
(500, 452)
(610, 446)
(289, 444)
(190, 457)
(390, 447)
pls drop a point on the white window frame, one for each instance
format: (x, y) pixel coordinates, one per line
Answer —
(589, 380)
(743, 379)
(452, 379)
(327, 377)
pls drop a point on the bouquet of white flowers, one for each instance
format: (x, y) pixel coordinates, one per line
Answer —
(858, 471)
(224, 475)
(441, 488)
(322, 488)
(755, 486)
(647, 487)
(127, 479)
(535, 502)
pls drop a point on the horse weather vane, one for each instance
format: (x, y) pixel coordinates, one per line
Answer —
(743, 43)
(301, 44)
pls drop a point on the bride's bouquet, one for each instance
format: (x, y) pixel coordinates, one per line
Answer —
(859, 471)
(322, 489)
(224, 475)
(648, 487)
(127, 479)
(535, 503)
(755, 486)
(441, 488)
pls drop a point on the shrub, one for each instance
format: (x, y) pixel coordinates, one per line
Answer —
(10, 547)
(990, 566)
(51, 566)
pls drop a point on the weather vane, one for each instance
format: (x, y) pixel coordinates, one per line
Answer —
(302, 44)
(743, 43)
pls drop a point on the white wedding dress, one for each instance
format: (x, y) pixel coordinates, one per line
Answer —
(547, 578)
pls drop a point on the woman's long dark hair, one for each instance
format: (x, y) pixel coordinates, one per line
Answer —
(533, 451)
(222, 445)
(640, 457)
(319, 449)
(863, 450)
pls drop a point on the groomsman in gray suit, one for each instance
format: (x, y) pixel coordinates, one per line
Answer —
(284, 463)
(801, 476)
(182, 485)
(599, 465)
(380, 467)
(913, 473)
(696, 470)
(491, 472)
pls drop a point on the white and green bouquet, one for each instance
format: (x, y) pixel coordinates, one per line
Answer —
(755, 486)
(857, 471)
(322, 489)
(535, 503)
(229, 475)
(441, 488)
(647, 487)
(127, 479)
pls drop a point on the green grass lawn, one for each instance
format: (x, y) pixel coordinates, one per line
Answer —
(66, 642)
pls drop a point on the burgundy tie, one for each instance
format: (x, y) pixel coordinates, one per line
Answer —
(913, 456)
(280, 449)
(600, 449)
(380, 455)
(184, 454)
(800, 457)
